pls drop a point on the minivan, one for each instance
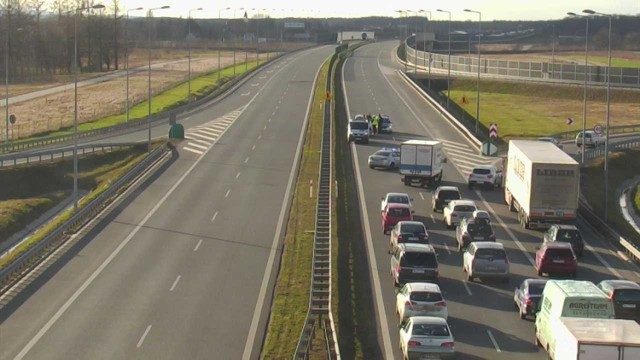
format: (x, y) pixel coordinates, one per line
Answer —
(414, 263)
(568, 298)
(485, 259)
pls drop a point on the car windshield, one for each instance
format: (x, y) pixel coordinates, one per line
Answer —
(480, 229)
(482, 171)
(536, 288)
(568, 235)
(359, 125)
(430, 330)
(398, 200)
(559, 253)
(412, 229)
(382, 153)
(632, 295)
(398, 212)
(426, 296)
(419, 259)
(464, 208)
(449, 195)
(490, 254)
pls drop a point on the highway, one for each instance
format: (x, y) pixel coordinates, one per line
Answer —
(184, 268)
(484, 321)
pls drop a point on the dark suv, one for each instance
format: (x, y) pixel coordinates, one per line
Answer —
(626, 298)
(414, 263)
(473, 229)
(443, 195)
(566, 233)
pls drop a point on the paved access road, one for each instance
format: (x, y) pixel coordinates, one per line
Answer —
(482, 314)
(185, 268)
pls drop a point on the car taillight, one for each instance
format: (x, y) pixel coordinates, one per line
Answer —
(611, 296)
(399, 238)
(448, 344)
(454, 215)
(489, 176)
(413, 343)
(441, 303)
(465, 234)
(492, 237)
(528, 302)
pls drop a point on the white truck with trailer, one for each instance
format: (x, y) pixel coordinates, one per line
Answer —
(542, 183)
(421, 162)
(596, 339)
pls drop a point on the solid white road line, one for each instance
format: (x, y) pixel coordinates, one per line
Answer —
(195, 144)
(466, 287)
(198, 245)
(175, 283)
(214, 216)
(203, 136)
(144, 335)
(199, 152)
(210, 132)
(201, 142)
(602, 260)
(454, 143)
(227, 194)
(493, 340)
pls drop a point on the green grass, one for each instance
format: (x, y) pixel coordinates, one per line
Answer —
(164, 101)
(291, 294)
(603, 60)
(636, 199)
(534, 110)
(623, 166)
(36, 188)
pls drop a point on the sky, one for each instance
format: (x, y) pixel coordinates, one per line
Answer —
(491, 9)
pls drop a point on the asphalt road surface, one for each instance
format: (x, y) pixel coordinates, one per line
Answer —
(484, 321)
(185, 268)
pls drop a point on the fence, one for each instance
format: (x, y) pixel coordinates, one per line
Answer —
(57, 153)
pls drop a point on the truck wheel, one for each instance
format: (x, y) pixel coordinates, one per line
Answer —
(407, 182)
(459, 247)
(539, 272)
(512, 207)
(537, 341)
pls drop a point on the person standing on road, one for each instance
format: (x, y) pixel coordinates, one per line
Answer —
(376, 121)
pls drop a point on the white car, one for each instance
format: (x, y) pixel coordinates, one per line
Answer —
(426, 337)
(552, 140)
(395, 198)
(456, 210)
(486, 175)
(386, 158)
(591, 138)
(420, 299)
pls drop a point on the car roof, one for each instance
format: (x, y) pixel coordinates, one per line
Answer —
(424, 286)
(447, 188)
(488, 245)
(557, 245)
(358, 121)
(536, 281)
(427, 248)
(397, 194)
(565, 226)
(484, 167)
(462, 202)
(407, 222)
(398, 206)
(428, 320)
(621, 284)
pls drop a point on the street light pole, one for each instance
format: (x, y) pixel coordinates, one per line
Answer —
(149, 14)
(448, 57)
(404, 38)
(415, 43)
(478, 80)
(234, 42)
(126, 56)
(222, 38)
(586, 76)
(6, 75)
(189, 47)
(424, 38)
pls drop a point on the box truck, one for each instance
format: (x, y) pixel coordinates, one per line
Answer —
(596, 339)
(542, 183)
(421, 162)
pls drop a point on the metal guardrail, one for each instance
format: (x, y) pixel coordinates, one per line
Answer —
(319, 310)
(51, 154)
(599, 151)
(621, 129)
(14, 271)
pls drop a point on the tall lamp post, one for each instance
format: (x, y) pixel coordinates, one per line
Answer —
(586, 76)
(222, 38)
(126, 56)
(234, 42)
(448, 57)
(189, 47)
(75, 101)
(478, 80)
(404, 38)
(425, 43)
(606, 134)
(149, 14)
(6, 74)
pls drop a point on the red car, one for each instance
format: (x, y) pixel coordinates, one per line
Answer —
(394, 213)
(556, 258)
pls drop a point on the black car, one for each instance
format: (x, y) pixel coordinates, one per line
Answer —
(527, 295)
(442, 195)
(626, 298)
(473, 229)
(414, 263)
(566, 233)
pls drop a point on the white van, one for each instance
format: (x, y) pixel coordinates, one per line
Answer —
(591, 138)
(568, 298)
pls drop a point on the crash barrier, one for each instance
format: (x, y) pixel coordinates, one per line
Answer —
(29, 157)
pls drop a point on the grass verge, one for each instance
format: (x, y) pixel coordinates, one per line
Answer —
(603, 61)
(636, 199)
(516, 107)
(291, 293)
(623, 165)
(47, 184)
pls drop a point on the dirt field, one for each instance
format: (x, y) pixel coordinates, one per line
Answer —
(53, 112)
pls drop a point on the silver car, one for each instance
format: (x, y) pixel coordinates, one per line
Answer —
(426, 337)
(486, 259)
(385, 158)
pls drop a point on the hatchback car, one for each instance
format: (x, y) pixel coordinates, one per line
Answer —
(414, 262)
(485, 175)
(556, 258)
(485, 259)
(395, 198)
(420, 299)
(385, 158)
(626, 298)
(443, 195)
(473, 229)
(527, 296)
(408, 232)
(385, 125)
(566, 233)
(426, 337)
(456, 210)
(394, 213)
